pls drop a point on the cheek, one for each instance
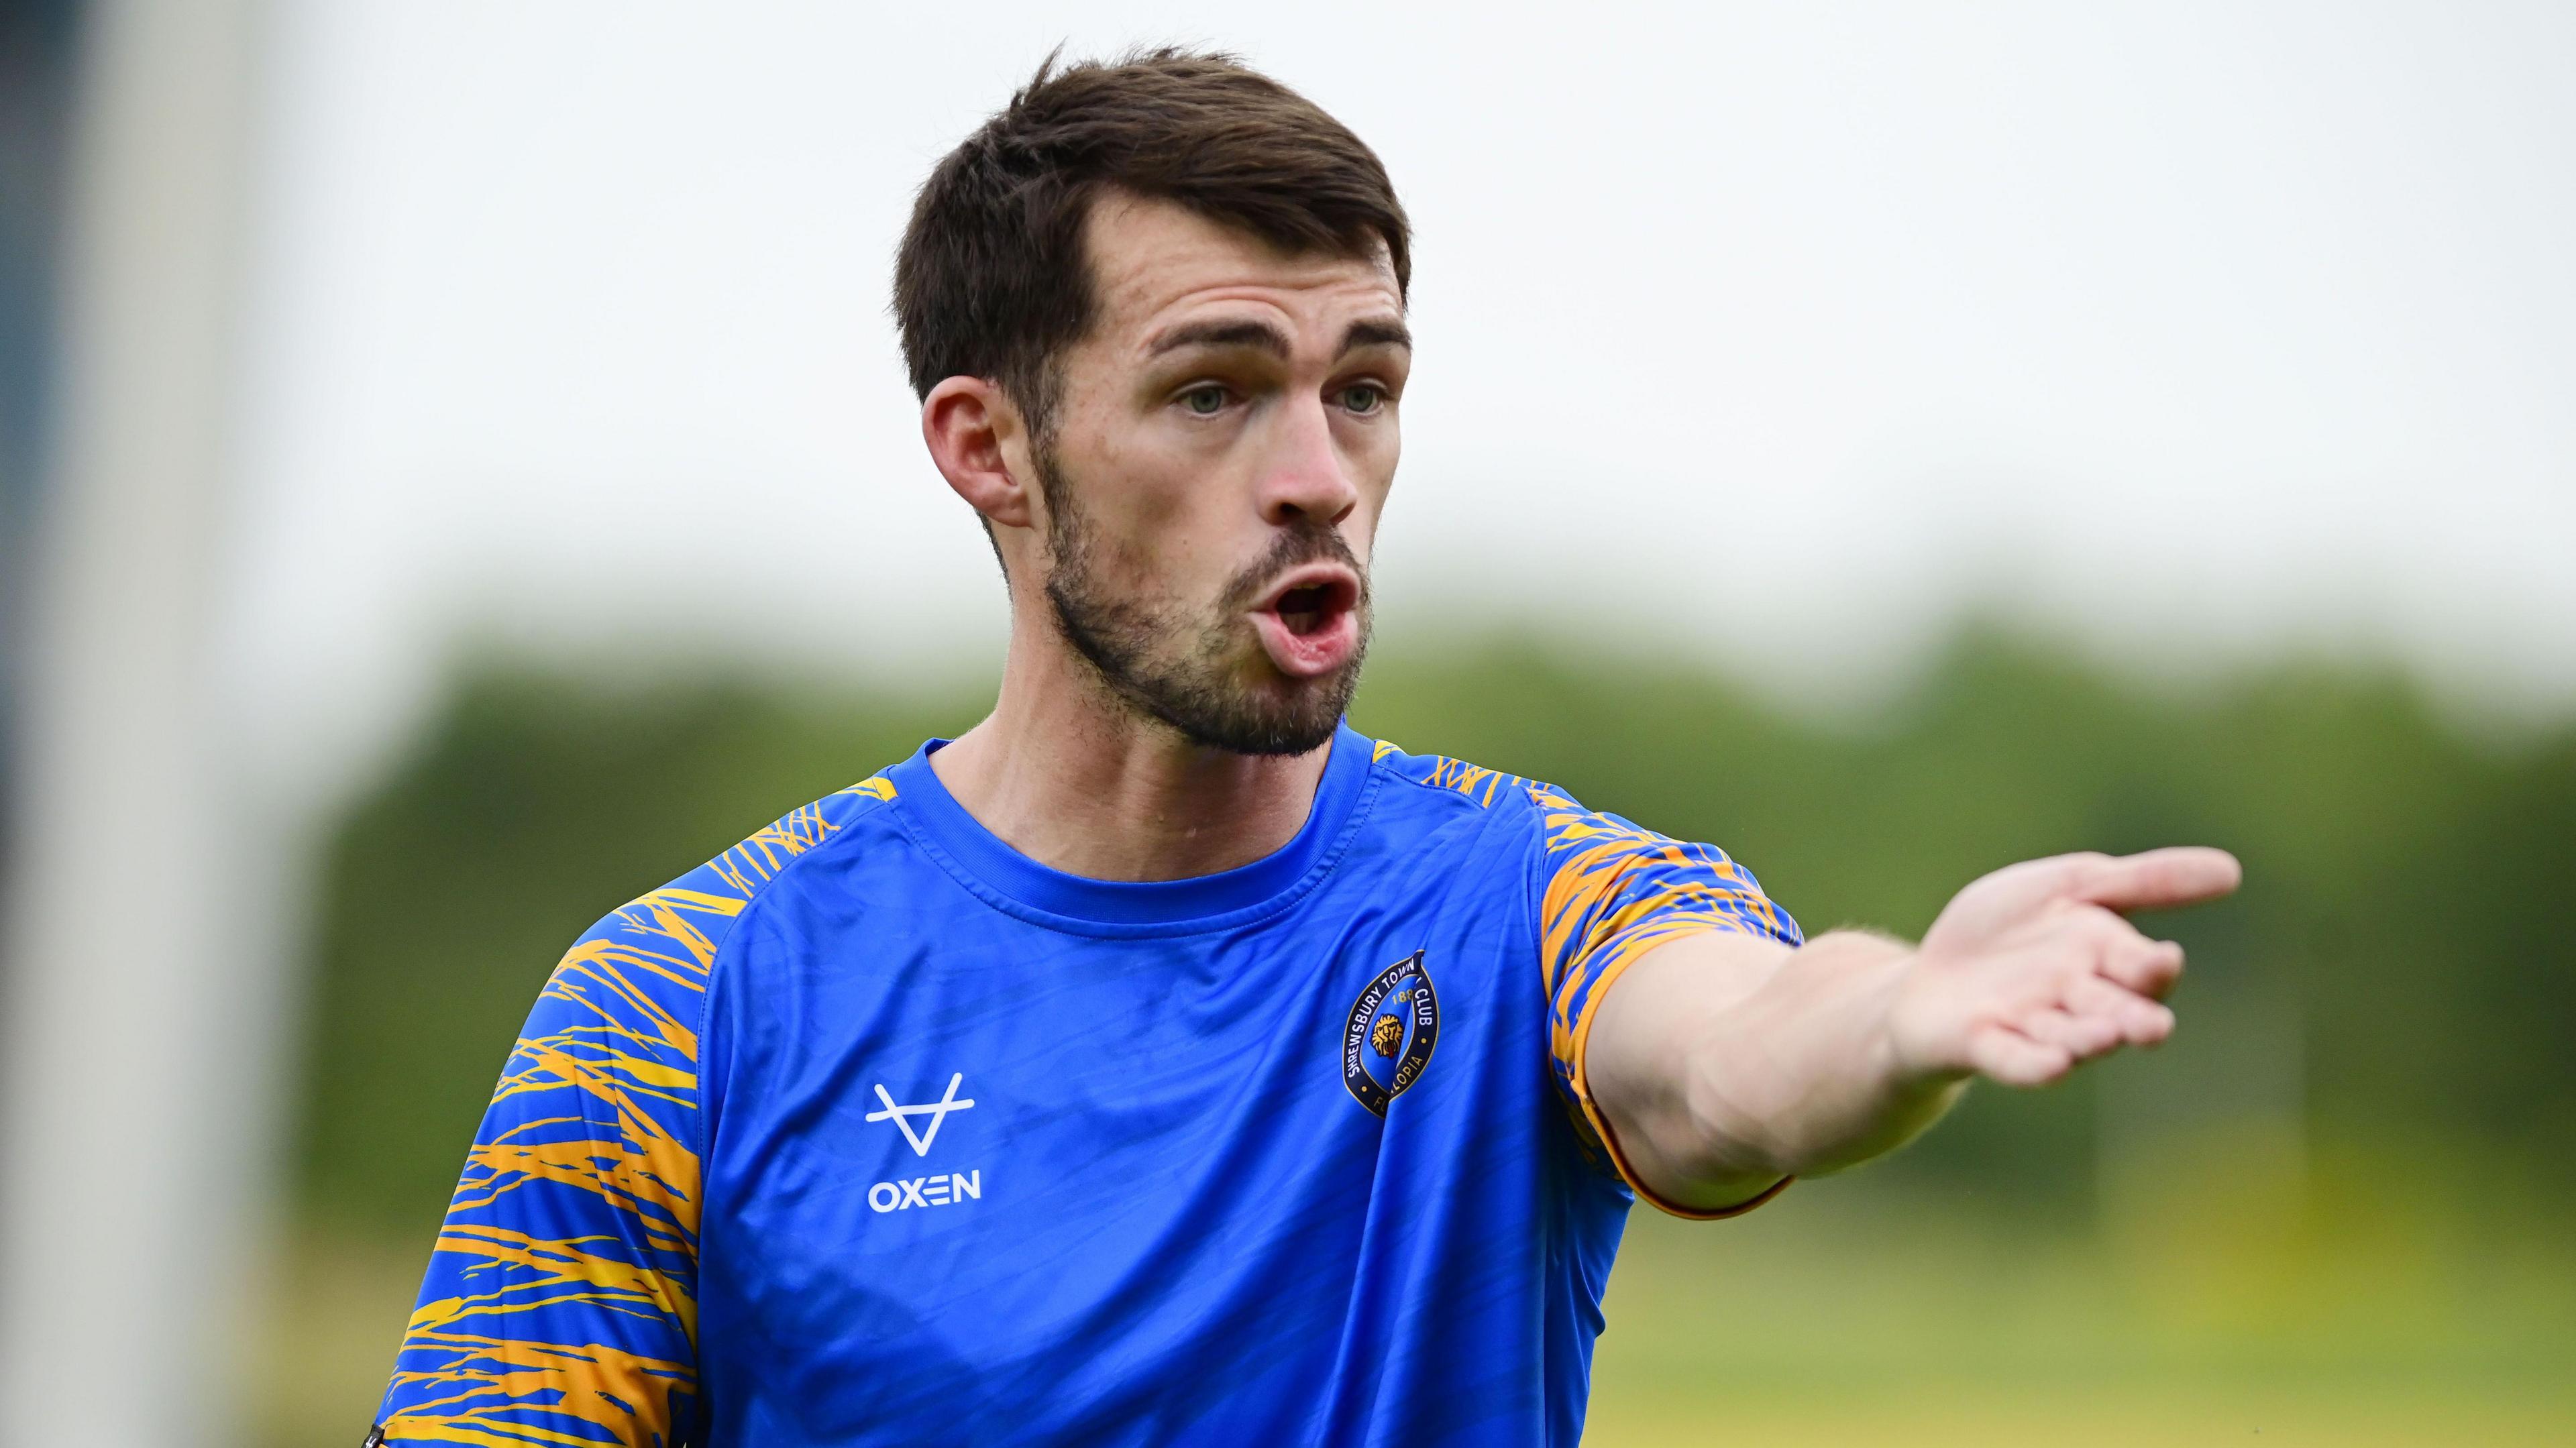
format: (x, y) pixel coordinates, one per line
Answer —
(1377, 480)
(1190, 511)
(1360, 531)
(1134, 478)
(1149, 519)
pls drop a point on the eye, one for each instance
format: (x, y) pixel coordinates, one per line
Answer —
(1206, 400)
(1363, 397)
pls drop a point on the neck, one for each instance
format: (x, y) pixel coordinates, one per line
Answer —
(1070, 776)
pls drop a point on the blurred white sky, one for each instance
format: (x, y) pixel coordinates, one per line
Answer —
(1778, 333)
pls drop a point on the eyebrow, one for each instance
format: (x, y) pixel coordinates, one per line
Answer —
(1377, 332)
(1263, 337)
(1260, 336)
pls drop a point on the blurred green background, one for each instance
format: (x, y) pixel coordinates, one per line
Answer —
(2335, 1209)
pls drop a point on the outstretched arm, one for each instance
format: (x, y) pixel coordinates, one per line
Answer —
(1725, 1062)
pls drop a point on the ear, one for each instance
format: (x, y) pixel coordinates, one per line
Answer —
(972, 431)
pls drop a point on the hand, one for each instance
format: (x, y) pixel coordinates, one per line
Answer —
(2029, 971)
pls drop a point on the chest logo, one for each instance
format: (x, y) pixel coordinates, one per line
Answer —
(937, 1111)
(1388, 1039)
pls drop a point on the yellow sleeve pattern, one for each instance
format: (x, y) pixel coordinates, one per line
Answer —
(1608, 892)
(560, 1305)
(1605, 892)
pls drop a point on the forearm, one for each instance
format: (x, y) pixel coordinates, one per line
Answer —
(1801, 1077)
(1724, 1063)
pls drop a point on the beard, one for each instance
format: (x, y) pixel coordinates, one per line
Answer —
(1205, 675)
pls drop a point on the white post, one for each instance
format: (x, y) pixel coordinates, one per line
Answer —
(137, 1024)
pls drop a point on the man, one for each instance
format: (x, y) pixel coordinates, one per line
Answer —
(1161, 1059)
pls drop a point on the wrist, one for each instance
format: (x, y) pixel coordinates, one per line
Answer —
(1899, 1055)
(1916, 1054)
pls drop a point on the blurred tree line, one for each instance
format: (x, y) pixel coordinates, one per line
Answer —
(2396, 981)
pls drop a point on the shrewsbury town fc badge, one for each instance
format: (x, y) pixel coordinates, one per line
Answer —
(1393, 1026)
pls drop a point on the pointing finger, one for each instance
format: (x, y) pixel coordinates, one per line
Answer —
(2158, 879)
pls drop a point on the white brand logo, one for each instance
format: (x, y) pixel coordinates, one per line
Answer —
(929, 1191)
(902, 1116)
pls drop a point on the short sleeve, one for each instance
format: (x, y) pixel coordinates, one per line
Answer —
(560, 1304)
(1608, 891)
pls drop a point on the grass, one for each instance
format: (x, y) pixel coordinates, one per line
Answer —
(1855, 1321)
(1847, 1315)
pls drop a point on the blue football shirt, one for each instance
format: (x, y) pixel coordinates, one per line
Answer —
(873, 1130)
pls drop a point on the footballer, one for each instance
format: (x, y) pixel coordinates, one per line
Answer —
(1161, 1061)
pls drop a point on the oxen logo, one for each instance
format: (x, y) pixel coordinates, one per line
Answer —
(1388, 1040)
(939, 1189)
(937, 1111)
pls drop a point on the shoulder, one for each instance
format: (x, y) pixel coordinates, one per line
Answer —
(1443, 782)
(1532, 810)
(653, 955)
(1551, 812)
(1582, 857)
(733, 881)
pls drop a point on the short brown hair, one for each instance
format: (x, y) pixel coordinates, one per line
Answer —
(993, 280)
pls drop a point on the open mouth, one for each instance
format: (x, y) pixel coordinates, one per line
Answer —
(1310, 625)
(1307, 609)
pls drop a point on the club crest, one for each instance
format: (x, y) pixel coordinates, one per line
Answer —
(1388, 1040)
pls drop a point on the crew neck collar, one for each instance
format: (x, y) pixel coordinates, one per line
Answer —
(1012, 881)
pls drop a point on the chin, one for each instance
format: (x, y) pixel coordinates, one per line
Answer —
(1265, 713)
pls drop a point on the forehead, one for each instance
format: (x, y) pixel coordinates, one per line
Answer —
(1157, 262)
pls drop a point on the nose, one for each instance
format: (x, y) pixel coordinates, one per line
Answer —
(1307, 476)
